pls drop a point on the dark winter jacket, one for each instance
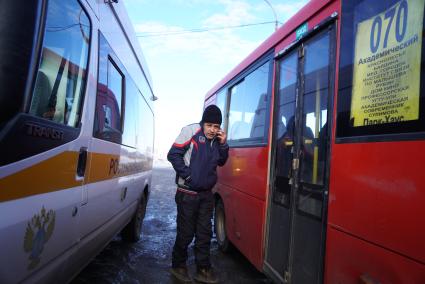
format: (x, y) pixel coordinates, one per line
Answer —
(195, 158)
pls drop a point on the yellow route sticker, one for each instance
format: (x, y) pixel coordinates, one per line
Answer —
(387, 59)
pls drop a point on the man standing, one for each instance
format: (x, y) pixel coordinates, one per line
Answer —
(195, 155)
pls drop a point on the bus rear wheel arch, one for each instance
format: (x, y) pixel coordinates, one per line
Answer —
(220, 227)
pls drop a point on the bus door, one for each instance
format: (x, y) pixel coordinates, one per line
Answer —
(299, 185)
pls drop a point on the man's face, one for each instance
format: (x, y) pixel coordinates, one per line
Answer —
(211, 129)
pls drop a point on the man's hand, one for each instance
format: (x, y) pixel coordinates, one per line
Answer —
(222, 137)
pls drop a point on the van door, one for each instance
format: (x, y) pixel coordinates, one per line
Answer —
(299, 184)
(107, 181)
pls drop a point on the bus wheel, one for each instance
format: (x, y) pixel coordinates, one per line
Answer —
(132, 232)
(220, 227)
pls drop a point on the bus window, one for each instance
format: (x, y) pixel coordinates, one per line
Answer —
(381, 86)
(61, 77)
(221, 102)
(248, 107)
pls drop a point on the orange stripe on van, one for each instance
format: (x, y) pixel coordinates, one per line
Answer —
(101, 167)
(59, 173)
(56, 173)
(107, 166)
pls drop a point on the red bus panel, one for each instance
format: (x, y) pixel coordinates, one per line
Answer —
(349, 258)
(242, 186)
(379, 197)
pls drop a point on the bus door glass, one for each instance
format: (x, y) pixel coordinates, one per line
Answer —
(298, 202)
(278, 235)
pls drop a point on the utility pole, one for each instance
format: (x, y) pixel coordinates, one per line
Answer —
(274, 13)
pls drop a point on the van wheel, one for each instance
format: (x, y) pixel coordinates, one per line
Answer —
(132, 232)
(220, 227)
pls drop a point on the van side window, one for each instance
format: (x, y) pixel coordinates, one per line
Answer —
(114, 96)
(109, 98)
(145, 132)
(131, 109)
(61, 76)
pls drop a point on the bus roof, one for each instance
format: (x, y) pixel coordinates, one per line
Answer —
(286, 30)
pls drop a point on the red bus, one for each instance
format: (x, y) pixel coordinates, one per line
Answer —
(326, 128)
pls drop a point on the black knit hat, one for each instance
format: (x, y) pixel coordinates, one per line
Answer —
(212, 114)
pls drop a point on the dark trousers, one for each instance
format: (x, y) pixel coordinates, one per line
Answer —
(194, 214)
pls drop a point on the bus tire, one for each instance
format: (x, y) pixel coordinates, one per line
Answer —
(220, 227)
(132, 232)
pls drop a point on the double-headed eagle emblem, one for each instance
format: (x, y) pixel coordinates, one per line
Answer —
(38, 232)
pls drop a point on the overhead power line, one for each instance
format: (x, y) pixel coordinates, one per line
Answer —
(200, 30)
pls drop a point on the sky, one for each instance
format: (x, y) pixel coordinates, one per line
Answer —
(183, 65)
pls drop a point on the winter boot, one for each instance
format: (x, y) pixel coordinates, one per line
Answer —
(206, 275)
(181, 274)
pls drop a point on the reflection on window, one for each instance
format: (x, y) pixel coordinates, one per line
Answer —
(130, 119)
(285, 127)
(221, 103)
(108, 115)
(248, 106)
(61, 77)
(287, 91)
(115, 85)
(108, 106)
(145, 131)
(314, 131)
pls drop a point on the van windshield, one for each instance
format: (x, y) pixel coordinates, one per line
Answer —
(16, 49)
(61, 77)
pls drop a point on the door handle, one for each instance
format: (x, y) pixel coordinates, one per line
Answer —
(82, 161)
(295, 164)
(123, 194)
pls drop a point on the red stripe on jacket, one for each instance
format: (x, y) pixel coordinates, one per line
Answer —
(188, 141)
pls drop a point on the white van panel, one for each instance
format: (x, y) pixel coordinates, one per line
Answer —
(17, 218)
(86, 217)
